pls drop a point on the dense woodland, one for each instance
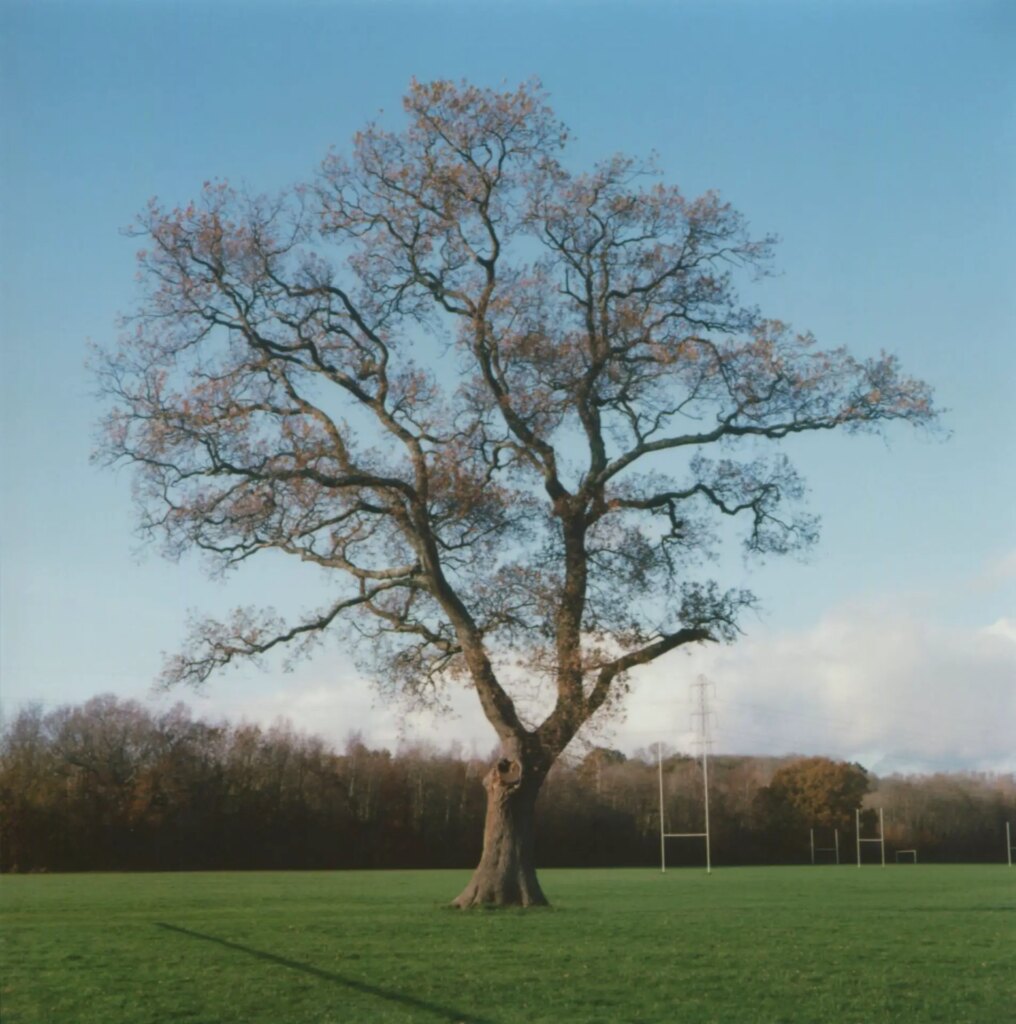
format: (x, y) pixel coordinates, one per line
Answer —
(112, 785)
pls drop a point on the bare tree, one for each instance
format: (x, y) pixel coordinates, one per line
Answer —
(481, 388)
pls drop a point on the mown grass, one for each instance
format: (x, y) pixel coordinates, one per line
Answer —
(903, 944)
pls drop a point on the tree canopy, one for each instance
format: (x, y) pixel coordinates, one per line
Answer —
(508, 403)
(820, 791)
(109, 785)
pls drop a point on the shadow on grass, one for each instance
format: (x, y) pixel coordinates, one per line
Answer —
(447, 1012)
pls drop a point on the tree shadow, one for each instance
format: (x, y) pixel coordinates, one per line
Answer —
(447, 1012)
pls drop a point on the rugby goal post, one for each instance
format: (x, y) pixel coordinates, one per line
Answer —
(834, 849)
(880, 838)
(664, 835)
(1008, 843)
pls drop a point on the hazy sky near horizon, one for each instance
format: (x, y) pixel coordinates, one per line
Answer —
(878, 140)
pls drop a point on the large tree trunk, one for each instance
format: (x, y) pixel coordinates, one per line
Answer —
(506, 875)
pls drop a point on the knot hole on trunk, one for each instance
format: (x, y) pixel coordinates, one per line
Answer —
(510, 771)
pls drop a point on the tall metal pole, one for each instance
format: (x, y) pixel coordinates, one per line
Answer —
(1008, 842)
(836, 843)
(811, 836)
(663, 845)
(857, 828)
(705, 783)
(881, 833)
(703, 713)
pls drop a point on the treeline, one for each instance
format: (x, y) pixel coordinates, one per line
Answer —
(112, 785)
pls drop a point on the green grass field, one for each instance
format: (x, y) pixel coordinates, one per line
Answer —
(904, 944)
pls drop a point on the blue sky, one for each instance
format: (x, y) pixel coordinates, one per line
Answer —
(877, 139)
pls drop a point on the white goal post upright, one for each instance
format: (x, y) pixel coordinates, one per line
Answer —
(880, 839)
(705, 795)
(1008, 843)
(663, 835)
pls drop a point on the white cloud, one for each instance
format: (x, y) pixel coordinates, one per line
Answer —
(1004, 629)
(340, 706)
(869, 683)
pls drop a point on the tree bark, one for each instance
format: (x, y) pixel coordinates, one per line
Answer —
(506, 874)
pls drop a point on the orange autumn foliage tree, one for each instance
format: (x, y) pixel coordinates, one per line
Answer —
(820, 792)
(483, 390)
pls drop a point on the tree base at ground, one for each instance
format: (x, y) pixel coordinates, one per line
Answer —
(506, 874)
